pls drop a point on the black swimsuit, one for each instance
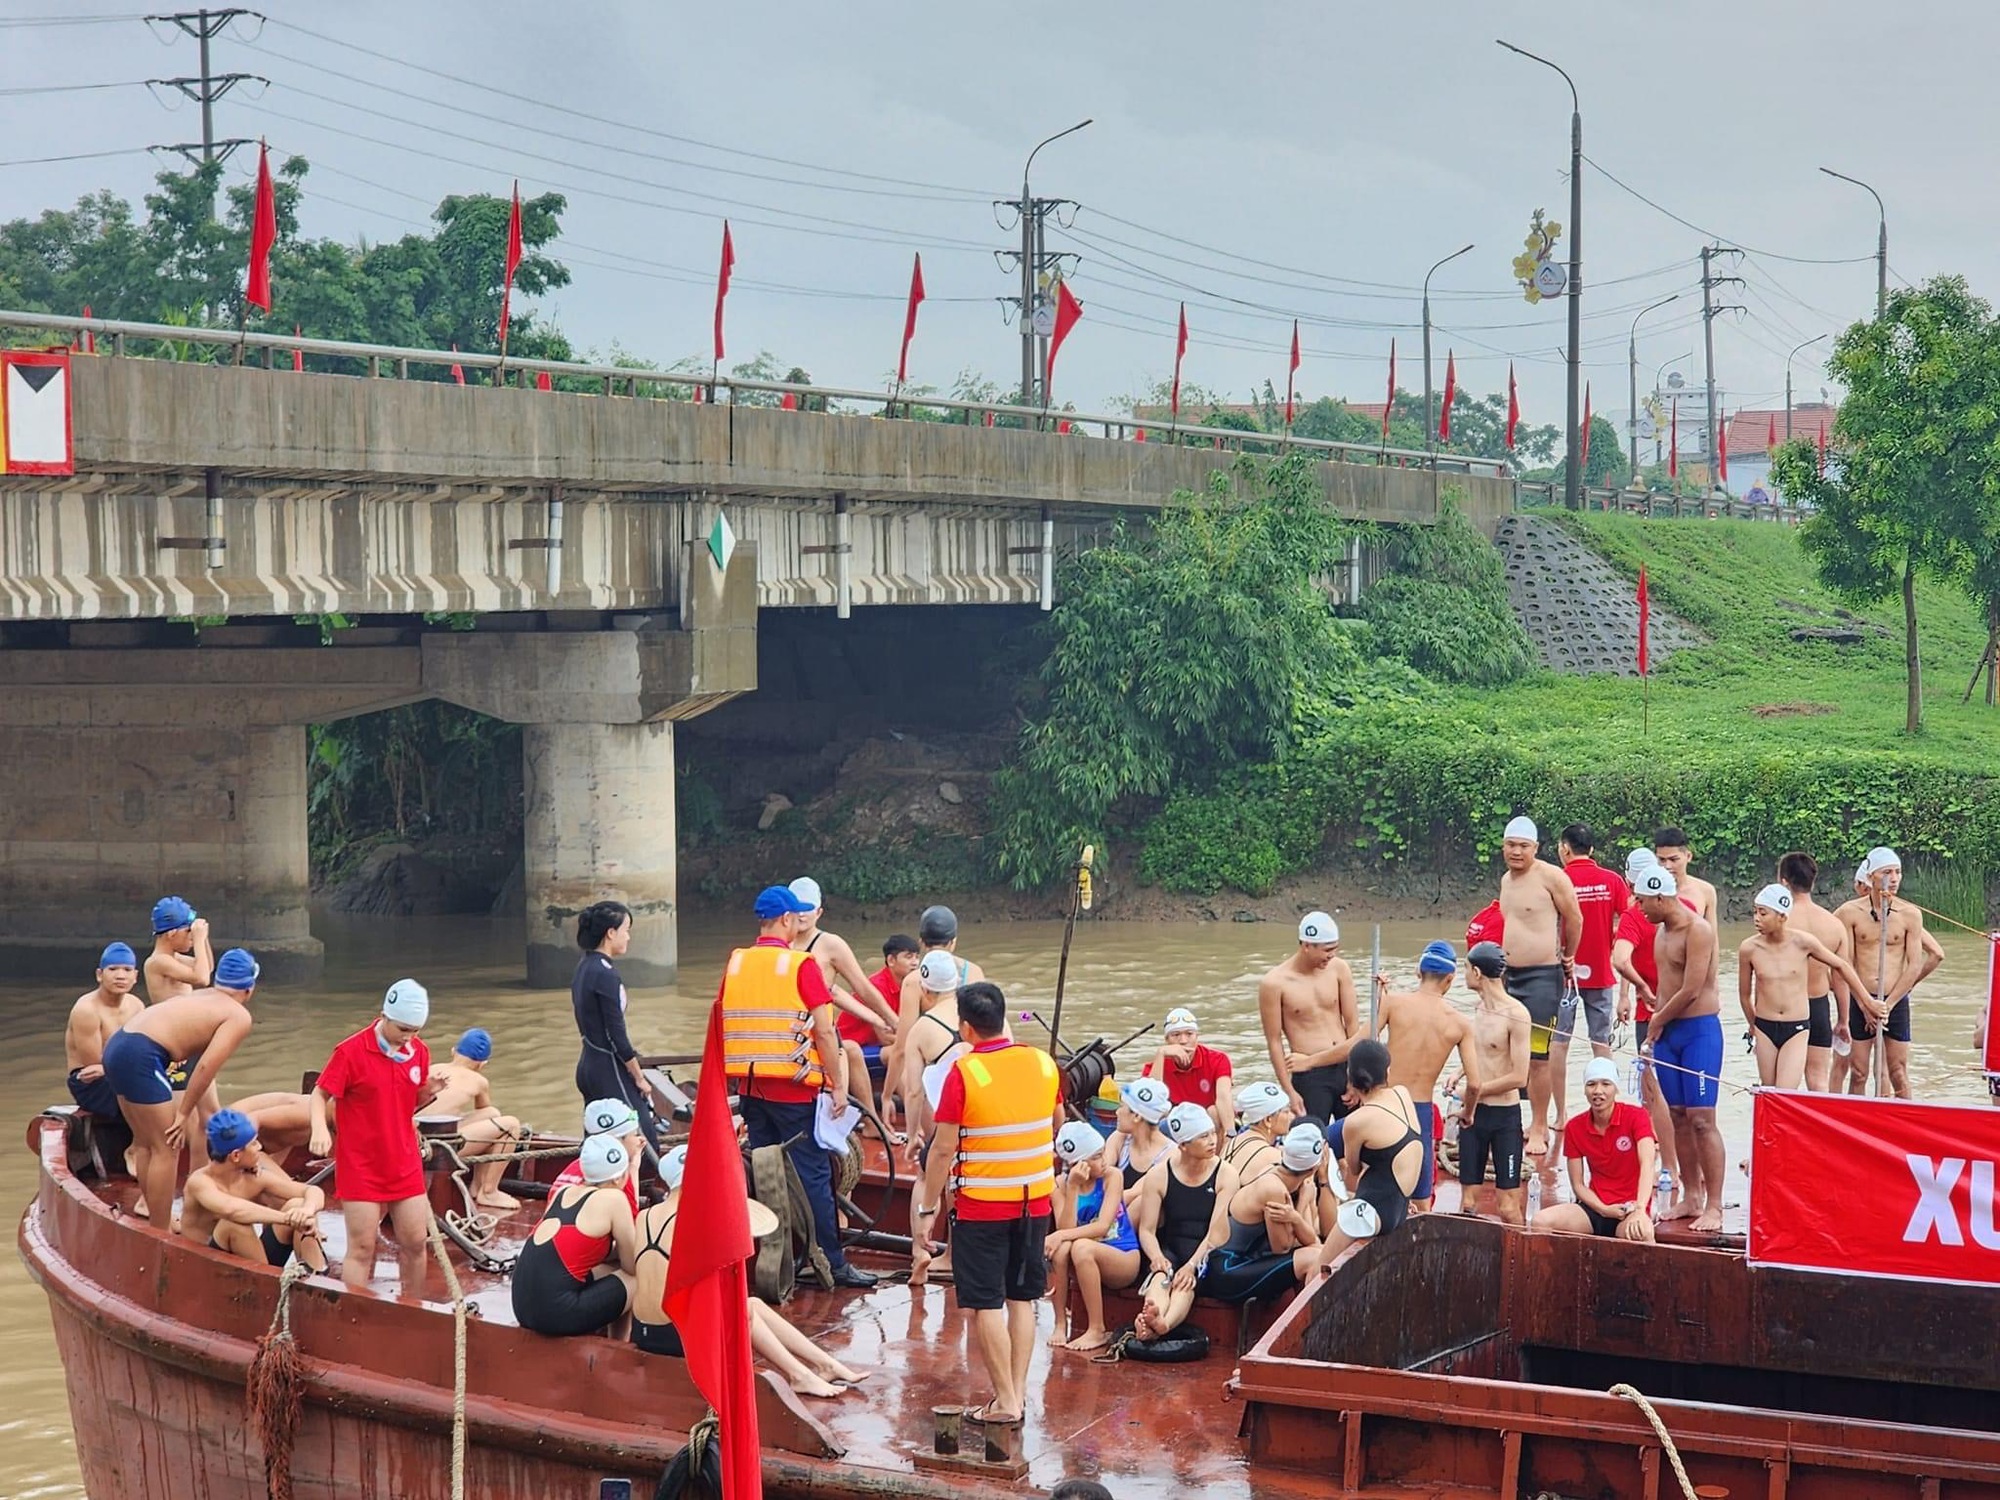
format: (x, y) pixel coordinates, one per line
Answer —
(1186, 1210)
(661, 1337)
(1378, 1186)
(1780, 1032)
(547, 1298)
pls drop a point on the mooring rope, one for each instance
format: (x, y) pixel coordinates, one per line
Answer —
(1631, 1393)
(457, 1361)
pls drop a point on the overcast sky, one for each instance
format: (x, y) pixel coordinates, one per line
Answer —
(1345, 146)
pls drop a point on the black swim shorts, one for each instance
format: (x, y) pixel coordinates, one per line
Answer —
(1324, 1091)
(997, 1261)
(1494, 1135)
(1863, 1029)
(1819, 1030)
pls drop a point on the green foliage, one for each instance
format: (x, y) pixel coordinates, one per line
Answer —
(428, 768)
(1444, 609)
(1957, 891)
(883, 872)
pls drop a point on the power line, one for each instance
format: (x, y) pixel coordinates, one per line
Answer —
(71, 88)
(12, 22)
(1803, 260)
(42, 161)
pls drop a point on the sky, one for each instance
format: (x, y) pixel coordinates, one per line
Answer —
(1260, 162)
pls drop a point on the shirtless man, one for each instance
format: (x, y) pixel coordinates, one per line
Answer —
(1772, 974)
(1893, 956)
(1684, 1042)
(283, 1121)
(1826, 996)
(181, 960)
(1671, 851)
(1312, 1021)
(1424, 1029)
(1544, 923)
(1492, 1128)
(95, 1016)
(937, 930)
(208, 1025)
(853, 993)
(465, 1091)
(244, 1203)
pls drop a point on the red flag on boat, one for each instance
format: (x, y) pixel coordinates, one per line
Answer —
(263, 235)
(1674, 441)
(1645, 623)
(513, 264)
(1450, 390)
(1722, 450)
(1068, 310)
(1180, 349)
(542, 381)
(1513, 406)
(1293, 374)
(1583, 442)
(722, 285)
(457, 369)
(708, 1296)
(910, 319)
(1390, 404)
(89, 340)
(298, 354)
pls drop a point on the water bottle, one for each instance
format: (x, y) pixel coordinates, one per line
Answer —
(1635, 1078)
(1534, 1194)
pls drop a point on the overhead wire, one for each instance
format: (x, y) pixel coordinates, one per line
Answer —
(23, 22)
(70, 88)
(1803, 260)
(41, 161)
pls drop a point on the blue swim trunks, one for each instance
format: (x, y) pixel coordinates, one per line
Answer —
(1687, 1061)
(1427, 1174)
(136, 1068)
(95, 1097)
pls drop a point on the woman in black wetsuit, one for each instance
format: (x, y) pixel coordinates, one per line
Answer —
(1183, 1216)
(608, 1065)
(1383, 1147)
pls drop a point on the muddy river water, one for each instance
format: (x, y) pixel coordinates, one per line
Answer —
(1121, 977)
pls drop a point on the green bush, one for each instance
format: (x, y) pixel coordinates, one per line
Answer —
(1444, 609)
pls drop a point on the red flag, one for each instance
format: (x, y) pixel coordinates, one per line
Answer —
(1292, 375)
(1822, 448)
(1063, 426)
(263, 235)
(1068, 310)
(1389, 405)
(457, 369)
(1674, 441)
(1450, 390)
(542, 381)
(722, 285)
(1722, 449)
(1645, 620)
(910, 319)
(298, 355)
(1139, 436)
(513, 264)
(1771, 436)
(1989, 1060)
(707, 1296)
(788, 402)
(989, 419)
(1583, 443)
(700, 395)
(1180, 349)
(89, 338)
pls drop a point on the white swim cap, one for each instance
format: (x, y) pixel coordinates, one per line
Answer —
(1656, 880)
(1319, 929)
(1775, 897)
(603, 1159)
(1302, 1147)
(1257, 1102)
(673, 1167)
(1180, 1018)
(1523, 828)
(1881, 858)
(1146, 1098)
(1077, 1142)
(609, 1117)
(1187, 1122)
(807, 890)
(1639, 860)
(938, 973)
(1601, 1070)
(407, 1003)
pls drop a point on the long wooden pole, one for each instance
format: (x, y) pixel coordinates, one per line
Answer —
(1079, 900)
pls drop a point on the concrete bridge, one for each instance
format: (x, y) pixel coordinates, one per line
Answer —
(154, 688)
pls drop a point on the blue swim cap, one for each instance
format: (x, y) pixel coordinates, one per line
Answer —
(229, 1130)
(118, 956)
(1438, 958)
(475, 1044)
(171, 914)
(236, 970)
(777, 901)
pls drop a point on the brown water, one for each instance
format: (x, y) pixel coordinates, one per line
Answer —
(1121, 977)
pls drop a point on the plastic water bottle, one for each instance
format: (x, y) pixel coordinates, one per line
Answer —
(1534, 1194)
(1635, 1078)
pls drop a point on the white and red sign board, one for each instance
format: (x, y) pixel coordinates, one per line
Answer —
(1991, 1061)
(35, 412)
(1875, 1187)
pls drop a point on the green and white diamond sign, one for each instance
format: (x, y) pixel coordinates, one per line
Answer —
(722, 541)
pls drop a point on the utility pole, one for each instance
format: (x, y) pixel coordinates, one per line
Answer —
(1881, 241)
(1034, 262)
(1710, 281)
(208, 86)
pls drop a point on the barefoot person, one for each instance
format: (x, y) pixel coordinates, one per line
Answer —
(937, 931)
(1544, 923)
(283, 1121)
(1684, 1042)
(1266, 1115)
(1114, 1260)
(1610, 1150)
(1382, 1153)
(208, 1024)
(1893, 954)
(574, 1275)
(1827, 996)
(245, 1204)
(1183, 1219)
(380, 1076)
(931, 1046)
(1602, 897)
(1275, 1224)
(1311, 1019)
(857, 1002)
(1772, 974)
(1632, 957)
(1492, 1130)
(1086, 1204)
(181, 959)
(1425, 1030)
(1192, 1072)
(97, 1014)
(465, 1092)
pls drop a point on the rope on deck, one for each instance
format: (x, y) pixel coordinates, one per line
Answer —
(1633, 1394)
(457, 1362)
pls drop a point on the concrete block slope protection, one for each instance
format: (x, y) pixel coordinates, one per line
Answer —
(1581, 613)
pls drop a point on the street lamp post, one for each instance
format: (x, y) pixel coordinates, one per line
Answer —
(1430, 419)
(1788, 381)
(1632, 375)
(1572, 479)
(1029, 240)
(1881, 241)
(1657, 374)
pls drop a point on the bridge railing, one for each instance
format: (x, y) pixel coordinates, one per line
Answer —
(1715, 506)
(221, 345)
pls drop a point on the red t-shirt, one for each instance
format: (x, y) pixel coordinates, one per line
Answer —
(1194, 1084)
(1633, 928)
(813, 991)
(951, 1111)
(573, 1174)
(1604, 897)
(852, 1028)
(1488, 927)
(375, 1154)
(1613, 1154)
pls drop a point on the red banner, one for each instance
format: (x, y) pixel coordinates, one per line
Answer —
(1991, 1062)
(1875, 1187)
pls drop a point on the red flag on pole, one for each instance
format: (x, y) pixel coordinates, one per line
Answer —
(1722, 449)
(1293, 375)
(1822, 448)
(263, 235)
(910, 319)
(457, 369)
(1390, 404)
(722, 285)
(89, 338)
(707, 1295)
(1771, 436)
(1513, 406)
(1450, 390)
(1645, 620)
(1180, 349)
(1068, 310)
(788, 402)
(542, 381)
(1583, 442)
(513, 265)
(1674, 441)
(298, 355)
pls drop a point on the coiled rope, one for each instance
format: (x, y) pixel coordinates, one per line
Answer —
(1633, 1394)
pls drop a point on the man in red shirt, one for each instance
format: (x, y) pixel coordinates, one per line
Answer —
(382, 1076)
(1194, 1074)
(899, 955)
(1488, 927)
(1604, 898)
(1610, 1147)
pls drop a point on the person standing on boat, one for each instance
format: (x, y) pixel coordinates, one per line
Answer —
(208, 1024)
(1383, 1153)
(1311, 1019)
(1492, 1130)
(1544, 924)
(931, 1047)
(608, 1064)
(1603, 897)
(381, 1077)
(1772, 974)
(937, 931)
(1610, 1147)
(1684, 1043)
(853, 994)
(1193, 1073)
(1827, 996)
(780, 1050)
(244, 1204)
(1894, 955)
(96, 1016)
(465, 1093)
(1427, 1029)
(876, 1038)
(996, 1127)
(1632, 957)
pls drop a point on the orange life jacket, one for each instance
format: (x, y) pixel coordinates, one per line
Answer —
(766, 1028)
(1006, 1141)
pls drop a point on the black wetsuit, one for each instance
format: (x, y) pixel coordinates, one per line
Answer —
(597, 995)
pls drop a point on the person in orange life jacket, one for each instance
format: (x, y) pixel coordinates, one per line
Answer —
(1193, 1074)
(381, 1076)
(777, 1039)
(996, 1126)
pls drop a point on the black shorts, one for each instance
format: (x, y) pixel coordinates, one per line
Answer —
(95, 1097)
(1494, 1134)
(1540, 988)
(658, 1338)
(1863, 1029)
(1603, 1227)
(997, 1261)
(276, 1252)
(1819, 1021)
(1324, 1091)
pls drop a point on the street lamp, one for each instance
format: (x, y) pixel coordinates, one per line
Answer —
(1632, 374)
(1572, 479)
(1430, 421)
(1788, 381)
(1030, 241)
(1657, 374)
(1881, 241)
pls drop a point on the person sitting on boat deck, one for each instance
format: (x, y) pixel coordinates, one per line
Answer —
(1277, 1220)
(564, 1283)
(607, 1064)
(1266, 1115)
(808, 1369)
(617, 1119)
(1183, 1219)
(207, 1024)
(1684, 1042)
(1611, 1152)
(780, 1050)
(856, 1001)
(465, 1092)
(937, 931)
(96, 1016)
(1138, 1142)
(1310, 1017)
(1192, 1072)
(381, 1077)
(283, 1121)
(1772, 973)
(247, 1205)
(1427, 1029)
(1133, 1149)
(996, 1125)
(1492, 1129)
(1086, 1207)
(876, 1038)
(1383, 1152)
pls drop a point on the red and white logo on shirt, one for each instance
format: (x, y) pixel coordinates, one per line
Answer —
(1623, 1143)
